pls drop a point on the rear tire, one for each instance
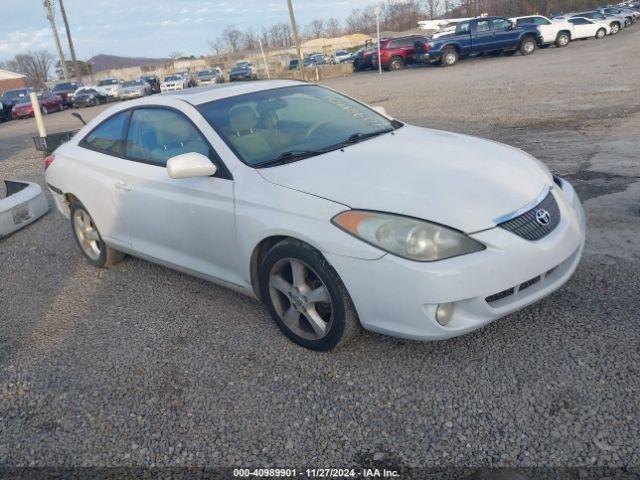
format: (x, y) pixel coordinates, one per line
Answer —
(44, 110)
(615, 28)
(306, 298)
(89, 239)
(600, 34)
(395, 63)
(449, 57)
(528, 46)
(563, 39)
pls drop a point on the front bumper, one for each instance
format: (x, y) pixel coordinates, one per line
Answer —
(399, 297)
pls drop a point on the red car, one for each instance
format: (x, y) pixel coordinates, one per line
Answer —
(48, 103)
(397, 52)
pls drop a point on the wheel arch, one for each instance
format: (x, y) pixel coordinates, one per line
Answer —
(567, 31)
(260, 250)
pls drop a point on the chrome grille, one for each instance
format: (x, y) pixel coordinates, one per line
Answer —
(528, 225)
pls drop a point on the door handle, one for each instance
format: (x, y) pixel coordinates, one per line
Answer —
(123, 186)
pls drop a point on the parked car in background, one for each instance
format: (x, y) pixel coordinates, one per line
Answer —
(134, 89)
(210, 76)
(189, 79)
(551, 33)
(484, 35)
(242, 71)
(153, 81)
(341, 56)
(587, 28)
(616, 22)
(628, 15)
(11, 98)
(48, 101)
(5, 111)
(65, 90)
(173, 82)
(335, 218)
(362, 58)
(318, 58)
(89, 97)
(306, 63)
(397, 52)
(111, 86)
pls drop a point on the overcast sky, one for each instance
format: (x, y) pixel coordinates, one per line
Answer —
(149, 28)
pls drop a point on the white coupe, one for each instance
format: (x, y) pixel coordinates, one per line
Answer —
(332, 213)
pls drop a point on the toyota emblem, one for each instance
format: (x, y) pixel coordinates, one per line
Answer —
(543, 217)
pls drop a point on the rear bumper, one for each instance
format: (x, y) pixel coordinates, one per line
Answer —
(398, 297)
(21, 208)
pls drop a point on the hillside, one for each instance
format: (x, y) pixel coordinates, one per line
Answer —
(107, 62)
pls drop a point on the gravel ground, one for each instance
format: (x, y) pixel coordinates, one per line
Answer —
(143, 366)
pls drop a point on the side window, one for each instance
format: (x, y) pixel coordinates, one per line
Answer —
(500, 24)
(483, 26)
(542, 21)
(157, 134)
(462, 28)
(108, 137)
(524, 21)
(393, 44)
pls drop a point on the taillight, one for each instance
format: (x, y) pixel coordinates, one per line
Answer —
(48, 161)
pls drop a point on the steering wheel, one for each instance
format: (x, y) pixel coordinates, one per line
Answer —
(313, 128)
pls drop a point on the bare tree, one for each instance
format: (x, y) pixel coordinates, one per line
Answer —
(232, 37)
(36, 66)
(216, 46)
(432, 8)
(249, 40)
(176, 55)
(315, 29)
(332, 28)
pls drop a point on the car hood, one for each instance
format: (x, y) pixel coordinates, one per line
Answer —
(455, 180)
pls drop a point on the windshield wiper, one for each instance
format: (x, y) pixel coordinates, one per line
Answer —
(290, 156)
(359, 136)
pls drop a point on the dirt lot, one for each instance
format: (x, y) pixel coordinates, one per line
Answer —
(140, 365)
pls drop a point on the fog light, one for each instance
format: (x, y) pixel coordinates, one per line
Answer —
(444, 312)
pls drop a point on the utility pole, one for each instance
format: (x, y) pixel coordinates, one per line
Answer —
(296, 38)
(63, 62)
(76, 67)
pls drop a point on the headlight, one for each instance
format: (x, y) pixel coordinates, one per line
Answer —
(406, 237)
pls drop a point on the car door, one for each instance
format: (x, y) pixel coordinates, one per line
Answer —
(504, 33)
(188, 223)
(99, 163)
(582, 27)
(483, 38)
(546, 29)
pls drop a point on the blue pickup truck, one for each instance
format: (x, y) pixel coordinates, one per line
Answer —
(484, 35)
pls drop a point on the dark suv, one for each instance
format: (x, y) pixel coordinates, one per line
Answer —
(396, 52)
(65, 90)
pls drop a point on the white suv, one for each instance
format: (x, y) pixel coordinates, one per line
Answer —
(557, 33)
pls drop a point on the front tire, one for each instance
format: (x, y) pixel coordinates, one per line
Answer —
(600, 34)
(44, 110)
(615, 28)
(528, 46)
(449, 57)
(306, 298)
(89, 239)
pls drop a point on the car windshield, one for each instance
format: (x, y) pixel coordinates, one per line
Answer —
(172, 78)
(13, 94)
(132, 83)
(272, 126)
(65, 86)
(108, 81)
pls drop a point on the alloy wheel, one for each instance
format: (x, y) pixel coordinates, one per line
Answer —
(563, 40)
(529, 47)
(87, 234)
(450, 58)
(44, 110)
(300, 298)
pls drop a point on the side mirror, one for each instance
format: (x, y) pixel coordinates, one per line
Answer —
(191, 164)
(382, 111)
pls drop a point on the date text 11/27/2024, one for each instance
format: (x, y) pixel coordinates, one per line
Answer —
(316, 473)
